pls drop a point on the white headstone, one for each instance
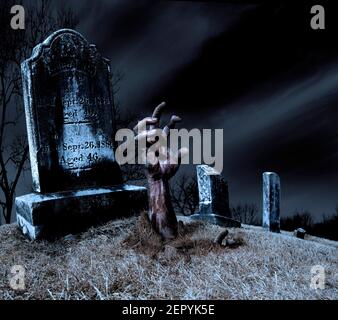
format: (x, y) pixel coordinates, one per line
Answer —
(271, 201)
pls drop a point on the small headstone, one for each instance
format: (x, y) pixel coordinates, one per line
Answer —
(300, 233)
(213, 198)
(271, 202)
(69, 116)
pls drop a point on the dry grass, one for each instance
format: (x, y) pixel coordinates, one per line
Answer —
(124, 259)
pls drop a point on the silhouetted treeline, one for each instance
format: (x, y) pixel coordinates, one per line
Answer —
(184, 192)
(327, 228)
(247, 213)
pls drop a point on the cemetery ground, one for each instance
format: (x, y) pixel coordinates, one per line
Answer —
(125, 259)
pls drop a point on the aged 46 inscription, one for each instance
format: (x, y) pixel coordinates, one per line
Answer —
(84, 154)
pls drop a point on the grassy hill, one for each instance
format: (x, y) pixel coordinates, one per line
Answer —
(124, 259)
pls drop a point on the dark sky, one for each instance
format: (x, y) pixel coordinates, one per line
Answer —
(256, 70)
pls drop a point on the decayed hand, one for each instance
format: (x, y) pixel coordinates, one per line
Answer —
(161, 164)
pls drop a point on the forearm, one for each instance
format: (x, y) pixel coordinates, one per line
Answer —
(161, 211)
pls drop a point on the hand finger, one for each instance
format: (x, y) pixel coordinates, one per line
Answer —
(156, 137)
(145, 135)
(171, 125)
(142, 125)
(158, 112)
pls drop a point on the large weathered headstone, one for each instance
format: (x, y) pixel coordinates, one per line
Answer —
(271, 201)
(213, 198)
(68, 106)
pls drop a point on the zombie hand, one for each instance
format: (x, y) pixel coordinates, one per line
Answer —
(161, 164)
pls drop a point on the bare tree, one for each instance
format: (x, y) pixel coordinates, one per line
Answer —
(247, 213)
(15, 46)
(184, 194)
(299, 219)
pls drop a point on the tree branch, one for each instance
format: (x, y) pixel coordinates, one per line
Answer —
(20, 167)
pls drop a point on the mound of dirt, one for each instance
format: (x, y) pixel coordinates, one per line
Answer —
(143, 239)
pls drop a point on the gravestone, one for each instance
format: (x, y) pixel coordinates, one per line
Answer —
(271, 201)
(213, 198)
(68, 105)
